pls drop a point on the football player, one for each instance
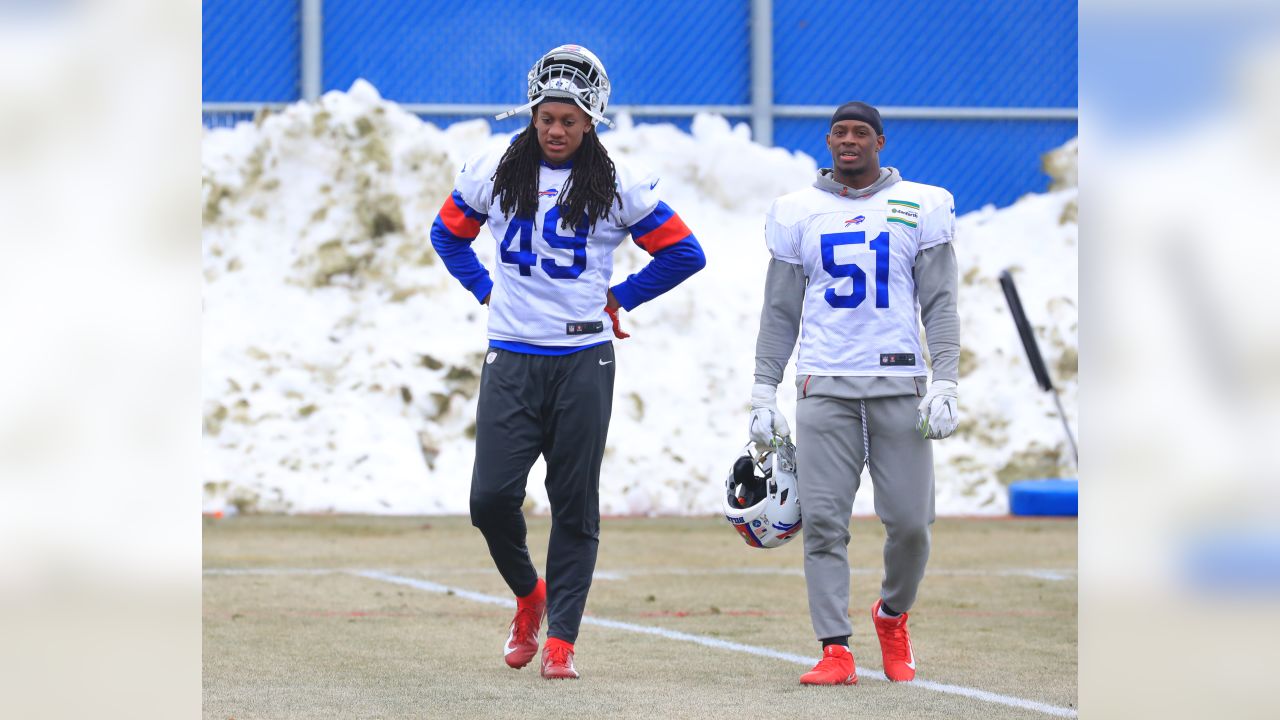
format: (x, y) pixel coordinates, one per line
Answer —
(857, 257)
(558, 207)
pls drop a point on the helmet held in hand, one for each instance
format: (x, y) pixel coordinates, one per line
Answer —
(761, 498)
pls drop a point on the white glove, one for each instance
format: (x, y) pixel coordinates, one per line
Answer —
(938, 411)
(766, 418)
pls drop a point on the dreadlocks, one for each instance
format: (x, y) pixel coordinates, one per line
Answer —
(590, 191)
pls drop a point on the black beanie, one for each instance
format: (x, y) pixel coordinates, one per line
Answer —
(859, 111)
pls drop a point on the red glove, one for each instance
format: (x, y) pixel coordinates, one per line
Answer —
(617, 325)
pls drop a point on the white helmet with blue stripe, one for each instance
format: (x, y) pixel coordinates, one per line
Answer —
(569, 72)
(762, 498)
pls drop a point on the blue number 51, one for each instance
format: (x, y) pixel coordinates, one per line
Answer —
(851, 270)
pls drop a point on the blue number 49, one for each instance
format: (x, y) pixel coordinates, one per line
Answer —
(830, 241)
(526, 259)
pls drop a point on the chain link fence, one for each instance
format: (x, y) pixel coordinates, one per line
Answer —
(660, 52)
(934, 54)
(929, 53)
(250, 51)
(453, 60)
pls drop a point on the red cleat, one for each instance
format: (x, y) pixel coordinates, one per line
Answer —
(557, 660)
(895, 645)
(522, 643)
(835, 668)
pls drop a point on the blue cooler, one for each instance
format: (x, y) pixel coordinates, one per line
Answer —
(1052, 496)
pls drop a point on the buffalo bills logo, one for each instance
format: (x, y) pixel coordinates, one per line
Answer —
(549, 192)
(855, 221)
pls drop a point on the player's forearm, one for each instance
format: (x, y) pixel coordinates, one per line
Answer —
(460, 260)
(668, 268)
(937, 281)
(779, 320)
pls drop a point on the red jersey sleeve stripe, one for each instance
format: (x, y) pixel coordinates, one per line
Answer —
(457, 220)
(664, 236)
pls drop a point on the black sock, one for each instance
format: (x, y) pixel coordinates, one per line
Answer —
(837, 640)
(884, 608)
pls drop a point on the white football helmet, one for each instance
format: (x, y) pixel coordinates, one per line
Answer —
(571, 72)
(762, 498)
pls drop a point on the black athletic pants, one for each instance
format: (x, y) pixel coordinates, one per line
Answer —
(557, 406)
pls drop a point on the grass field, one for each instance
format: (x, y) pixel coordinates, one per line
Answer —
(393, 617)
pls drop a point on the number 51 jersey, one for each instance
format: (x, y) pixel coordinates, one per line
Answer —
(861, 316)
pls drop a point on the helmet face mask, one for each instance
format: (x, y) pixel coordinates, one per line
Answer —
(761, 498)
(571, 73)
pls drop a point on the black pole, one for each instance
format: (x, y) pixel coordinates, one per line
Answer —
(1034, 357)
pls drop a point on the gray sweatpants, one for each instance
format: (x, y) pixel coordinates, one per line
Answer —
(832, 441)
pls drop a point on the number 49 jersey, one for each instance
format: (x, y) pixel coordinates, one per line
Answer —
(551, 278)
(860, 308)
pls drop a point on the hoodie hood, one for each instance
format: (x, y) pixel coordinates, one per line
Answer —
(826, 181)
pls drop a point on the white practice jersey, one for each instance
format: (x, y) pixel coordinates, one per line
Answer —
(551, 281)
(861, 316)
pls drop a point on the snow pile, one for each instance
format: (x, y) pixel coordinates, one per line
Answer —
(341, 361)
(1009, 428)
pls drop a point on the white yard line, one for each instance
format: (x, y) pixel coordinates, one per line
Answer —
(1050, 574)
(864, 672)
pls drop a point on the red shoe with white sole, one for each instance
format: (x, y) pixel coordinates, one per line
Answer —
(835, 668)
(522, 643)
(557, 660)
(895, 645)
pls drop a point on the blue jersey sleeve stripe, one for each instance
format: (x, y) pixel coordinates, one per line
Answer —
(466, 209)
(652, 221)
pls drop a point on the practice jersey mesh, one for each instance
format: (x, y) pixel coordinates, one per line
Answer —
(551, 279)
(861, 316)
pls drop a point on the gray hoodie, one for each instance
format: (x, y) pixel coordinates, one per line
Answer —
(936, 280)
